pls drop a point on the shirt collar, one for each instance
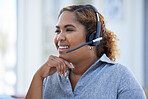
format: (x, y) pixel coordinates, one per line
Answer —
(105, 59)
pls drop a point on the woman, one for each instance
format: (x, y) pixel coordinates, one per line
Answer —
(88, 72)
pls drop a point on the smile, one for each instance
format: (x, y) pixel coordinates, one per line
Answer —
(63, 48)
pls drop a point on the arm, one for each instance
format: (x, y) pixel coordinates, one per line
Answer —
(129, 88)
(35, 90)
(51, 66)
(132, 94)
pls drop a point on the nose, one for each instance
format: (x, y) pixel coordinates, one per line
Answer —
(61, 37)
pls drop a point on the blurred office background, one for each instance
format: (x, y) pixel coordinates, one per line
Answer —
(27, 31)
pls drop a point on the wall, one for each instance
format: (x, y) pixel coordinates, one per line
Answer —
(29, 48)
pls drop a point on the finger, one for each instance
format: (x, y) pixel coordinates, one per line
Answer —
(57, 65)
(64, 69)
(55, 62)
(61, 69)
(62, 65)
(60, 72)
(51, 57)
(69, 65)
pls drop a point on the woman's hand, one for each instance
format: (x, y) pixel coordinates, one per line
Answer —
(52, 65)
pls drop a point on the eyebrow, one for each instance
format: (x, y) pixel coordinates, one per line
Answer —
(68, 25)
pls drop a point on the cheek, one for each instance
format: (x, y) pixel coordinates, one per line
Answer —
(76, 38)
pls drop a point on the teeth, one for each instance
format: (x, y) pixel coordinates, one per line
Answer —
(63, 46)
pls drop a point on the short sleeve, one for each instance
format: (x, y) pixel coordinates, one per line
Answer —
(129, 88)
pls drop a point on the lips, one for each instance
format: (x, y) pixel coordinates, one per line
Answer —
(63, 48)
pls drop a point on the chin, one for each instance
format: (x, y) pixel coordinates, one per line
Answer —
(63, 56)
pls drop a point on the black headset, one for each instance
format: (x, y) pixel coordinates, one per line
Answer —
(93, 36)
(92, 39)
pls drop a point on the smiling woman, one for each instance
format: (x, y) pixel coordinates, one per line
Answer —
(89, 72)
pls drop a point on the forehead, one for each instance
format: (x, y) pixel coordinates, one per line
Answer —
(67, 17)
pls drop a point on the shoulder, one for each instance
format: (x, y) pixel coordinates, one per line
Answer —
(124, 74)
(128, 85)
(114, 67)
(121, 69)
(123, 78)
(118, 70)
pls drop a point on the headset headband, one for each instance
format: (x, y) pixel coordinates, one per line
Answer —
(97, 35)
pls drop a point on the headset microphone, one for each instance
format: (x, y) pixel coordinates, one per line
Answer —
(92, 39)
(90, 42)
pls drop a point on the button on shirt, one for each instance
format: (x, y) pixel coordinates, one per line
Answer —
(103, 80)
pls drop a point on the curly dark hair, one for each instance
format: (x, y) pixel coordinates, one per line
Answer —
(87, 17)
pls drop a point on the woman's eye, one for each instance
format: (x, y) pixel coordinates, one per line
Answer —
(57, 31)
(69, 30)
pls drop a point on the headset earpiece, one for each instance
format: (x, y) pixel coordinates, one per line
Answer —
(90, 37)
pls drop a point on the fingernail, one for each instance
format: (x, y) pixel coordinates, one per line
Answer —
(71, 65)
(65, 74)
(62, 76)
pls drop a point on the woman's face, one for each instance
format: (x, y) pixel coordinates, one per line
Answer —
(69, 35)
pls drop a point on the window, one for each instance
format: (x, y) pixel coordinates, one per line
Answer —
(7, 46)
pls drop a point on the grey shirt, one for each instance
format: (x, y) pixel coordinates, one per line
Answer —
(103, 80)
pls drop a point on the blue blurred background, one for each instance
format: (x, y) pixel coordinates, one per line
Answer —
(27, 31)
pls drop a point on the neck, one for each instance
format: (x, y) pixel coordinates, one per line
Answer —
(83, 65)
